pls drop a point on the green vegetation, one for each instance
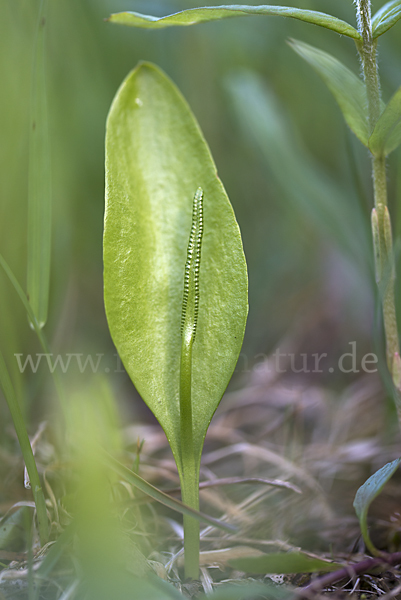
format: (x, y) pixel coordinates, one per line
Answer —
(150, 287)
(95, 513)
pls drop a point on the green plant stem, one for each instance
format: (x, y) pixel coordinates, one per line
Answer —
(27, 453)
(381, 223)
(386, 281)
(190, 471)
(190, 463)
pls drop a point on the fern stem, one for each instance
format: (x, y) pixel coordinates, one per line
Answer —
(189, 462)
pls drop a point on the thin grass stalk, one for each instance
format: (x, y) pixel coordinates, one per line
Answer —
(32, 318)
(39, 189)
(381, 221)
(26, 449)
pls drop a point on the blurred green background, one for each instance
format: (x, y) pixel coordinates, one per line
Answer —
(299, 182)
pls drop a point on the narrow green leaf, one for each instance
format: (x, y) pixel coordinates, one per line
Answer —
(291, 562)
(386, 17)
(26, 450)
(367, 493)
(348, 90)
(39, 196)
(156, 159)
(194, 16)
(162, 497)
(386, 136)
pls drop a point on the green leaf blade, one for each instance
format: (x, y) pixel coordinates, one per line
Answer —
(194, 16)
(367, 493)
(386, 136)
(348, 90)
(26, 449)
(156, 158)
(386, 17)
(39, 192)
(283, 563)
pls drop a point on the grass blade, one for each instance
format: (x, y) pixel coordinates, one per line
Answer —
(31, 316)
(386, 136)
(367, 493)
(163, 498)
(291, 562)
(194, 16)
(386, 17)
(26, 450)
(39, 192)
(348, 89)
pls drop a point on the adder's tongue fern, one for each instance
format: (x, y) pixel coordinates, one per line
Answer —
(181, 380)
(190, 303)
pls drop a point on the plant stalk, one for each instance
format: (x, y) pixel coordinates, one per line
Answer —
(190, 472)
(381, 222)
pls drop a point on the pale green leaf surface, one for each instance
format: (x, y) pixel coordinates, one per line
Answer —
(348, 90)
(386, 17)
(386, 136)
(156, 158)
(39, 196)
(291, 562)
(367, 493)
(194, 16)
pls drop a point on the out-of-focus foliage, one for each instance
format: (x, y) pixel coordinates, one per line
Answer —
(386, 136)
(296, 270)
